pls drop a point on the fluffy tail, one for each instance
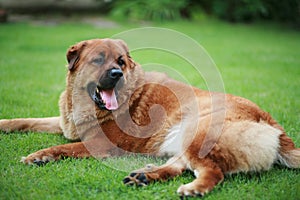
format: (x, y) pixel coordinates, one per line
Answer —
(289, 155)
(49, 125)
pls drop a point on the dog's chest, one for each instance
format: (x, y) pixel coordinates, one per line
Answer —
(172, 144)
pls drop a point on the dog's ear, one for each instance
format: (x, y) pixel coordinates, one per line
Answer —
(73, 54)
(125, 47)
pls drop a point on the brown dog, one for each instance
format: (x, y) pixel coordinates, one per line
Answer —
(114, 107)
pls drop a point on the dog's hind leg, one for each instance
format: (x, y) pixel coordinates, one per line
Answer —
(49, 125)
(208, 175)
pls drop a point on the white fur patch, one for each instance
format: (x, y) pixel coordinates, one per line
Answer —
(173, 142)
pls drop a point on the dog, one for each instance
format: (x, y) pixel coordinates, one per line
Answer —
(111, 107)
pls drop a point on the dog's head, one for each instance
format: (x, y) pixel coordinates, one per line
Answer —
(102, 67)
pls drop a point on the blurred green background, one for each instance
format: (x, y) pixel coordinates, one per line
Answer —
(161, 10)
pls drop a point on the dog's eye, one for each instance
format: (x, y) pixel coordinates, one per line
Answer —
(120, 61)
(99, 61)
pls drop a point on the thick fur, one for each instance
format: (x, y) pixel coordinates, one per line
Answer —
(212, 134)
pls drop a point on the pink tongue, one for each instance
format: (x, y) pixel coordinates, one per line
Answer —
(109, 98)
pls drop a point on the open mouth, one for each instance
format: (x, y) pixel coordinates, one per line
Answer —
(104, 99)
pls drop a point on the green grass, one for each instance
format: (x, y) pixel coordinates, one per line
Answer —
(260, 62)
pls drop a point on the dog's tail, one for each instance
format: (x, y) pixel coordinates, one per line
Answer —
(49, 125)
(289, 155)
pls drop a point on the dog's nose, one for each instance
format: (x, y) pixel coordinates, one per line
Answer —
(115, 73)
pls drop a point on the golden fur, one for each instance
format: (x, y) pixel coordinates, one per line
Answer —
(211, 134)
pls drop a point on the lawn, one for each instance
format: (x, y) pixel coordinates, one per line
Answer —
(258, 61)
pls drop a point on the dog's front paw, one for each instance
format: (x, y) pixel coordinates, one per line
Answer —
(39, 158)
(138, 179)
(142, 177)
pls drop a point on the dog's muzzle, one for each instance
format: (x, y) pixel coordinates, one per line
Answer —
(104, 93)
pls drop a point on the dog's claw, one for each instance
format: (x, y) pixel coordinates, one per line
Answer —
(133, 174)
(126, 180)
